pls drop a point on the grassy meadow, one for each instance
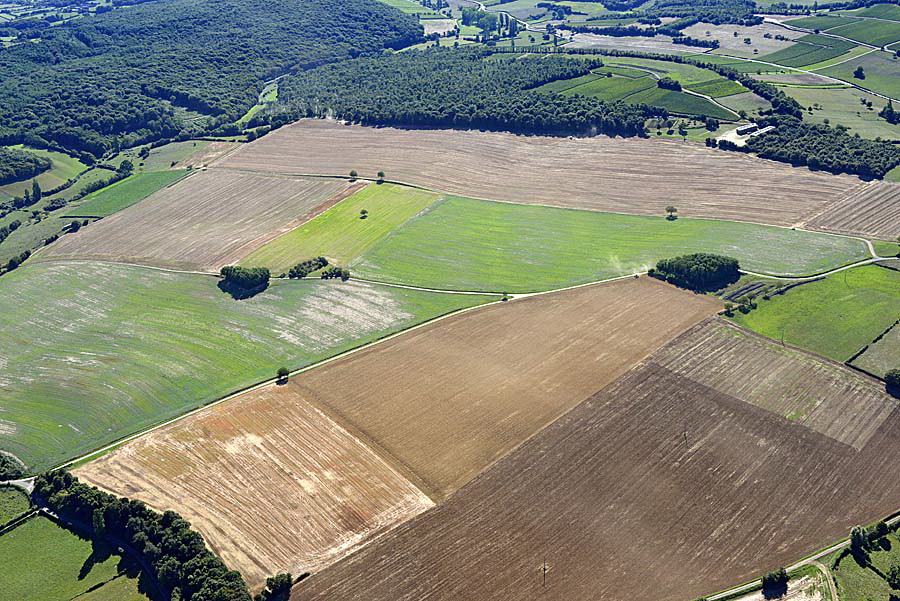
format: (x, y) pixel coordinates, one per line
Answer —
(882, 71)
(340, 234)
(864, 581)
(870, 31)
(124, 193)
(883, 355)
(64, 168)
(834, 317)
(13, 503)
(467, 244)
(45, 562)
(93, 352)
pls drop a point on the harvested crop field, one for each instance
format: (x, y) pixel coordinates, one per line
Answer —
(270, 481)
(874, 211)
(601, 173)
(92, 352)
(207, 220)
(450, 398)
(657, 487)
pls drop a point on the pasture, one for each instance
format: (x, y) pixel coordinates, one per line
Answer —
(863, 580)
(870, 31)
(808, 50)
(834, 317)
(871, 212)
(734, 45)
(681, 103)
(466, 244)
(93, 352)
(606, 174)
(878, 11)
(452, 397)
(45, 562)
(591, 496)
(208, 220)
(125, 193)
(271, 482)
(822, 22)
(881, 69)
(881, 356)
(843, 106)
(64, 168)
(340, 234)
(13, 503)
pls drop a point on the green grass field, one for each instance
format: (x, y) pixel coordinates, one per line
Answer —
(718, 88)
(681, 103)
(857, 582)
(44, 562)
(886, 249)
(834, 317)
(13, 503)
(870, 31)
(882, 72)
(410, 7)
(161, 158)
(64, 167)
(467, 244)
(879, 11)
(823, 22)
(339, 234)
(93, 352)
(883, 355)
(808, 50)
(125, 193)
(842, 106)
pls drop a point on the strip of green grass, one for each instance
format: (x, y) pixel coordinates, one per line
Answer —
(682, 103)
(94, 352)
(808, 50)
(340, 234)
(886, 249)
(467, 244)
(125, 193)
(717, 88)
(13, 503)
(879, 11)
(823, 22)
(870, 31)
(882, 71)
(44, 562)
(834, 317)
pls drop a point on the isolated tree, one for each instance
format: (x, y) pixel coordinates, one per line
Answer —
(380, 176)
(35, 190)
(125, 167)
(283, 373)
(859, 539)
(353, 173)
(671, 212)
(775, 579)
(860, 73)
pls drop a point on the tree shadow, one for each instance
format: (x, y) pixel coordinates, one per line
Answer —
(884, 544)
(238, 293)
(774, 591)
(100, 552)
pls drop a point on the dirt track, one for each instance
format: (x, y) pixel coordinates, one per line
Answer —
(607, 174)
(657, 488)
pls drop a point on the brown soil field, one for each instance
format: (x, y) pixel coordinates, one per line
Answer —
(874, 211)
(606, 174)
(207, 220)
(270, 481)
(449, 399)
(209, 154)
(658, 487)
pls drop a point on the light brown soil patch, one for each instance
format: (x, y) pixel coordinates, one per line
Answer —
(874, 211)
(271, 483)
(656, 488)
(208, 154)
(451, 398)
(606, 174)
(203, 222)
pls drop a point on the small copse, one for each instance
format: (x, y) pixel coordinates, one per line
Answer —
(698, 271)
(304, 268)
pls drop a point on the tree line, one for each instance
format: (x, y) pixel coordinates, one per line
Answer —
(446, 87)
(100, 83)
(16, 165)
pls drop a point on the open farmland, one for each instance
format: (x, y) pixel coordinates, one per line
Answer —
(465, 244)
(125, 193)
(870, 31)
(208, 220)
(872, 212)
(808, 50)
(45, 562)
(64, 167)
(843, 106)
(734, 44)
(607, 174)
(340, 234)
(882, 355)
(92, 352)
(834, 317)
(452, 397)
(657, 487)
(880, 68)
(271, 482)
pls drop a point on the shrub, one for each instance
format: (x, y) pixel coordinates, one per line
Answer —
(333, 273)
(304, 268)
(10, 467)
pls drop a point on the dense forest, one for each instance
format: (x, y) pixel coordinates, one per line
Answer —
(444, 87)
(113, 80)
(17, 165)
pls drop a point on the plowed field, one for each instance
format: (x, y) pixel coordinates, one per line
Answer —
(873, 212)
(608, 174)
(449, 399)
(271, 482)
(205, 221)
(658, 487)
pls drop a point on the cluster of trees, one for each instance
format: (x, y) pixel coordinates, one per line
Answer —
(698, 271)
(304, 268)
(245, 278)
(889, 114)
(9, 228)
(335, 272)
(10, 467)
(775, 583)
(177, 555)
(823, 147)
(667, 83)
(863, 540)
(103, 82)
(718, 12)
(445, 87)
(16, 165)
(17, 260)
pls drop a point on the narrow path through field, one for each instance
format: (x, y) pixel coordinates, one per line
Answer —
(827, 573)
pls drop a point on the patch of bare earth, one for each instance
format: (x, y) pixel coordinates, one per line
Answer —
(636, 176)
(657, 487)
(204, 221)
(271, 482)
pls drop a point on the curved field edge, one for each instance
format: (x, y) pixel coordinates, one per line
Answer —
(94, 352)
